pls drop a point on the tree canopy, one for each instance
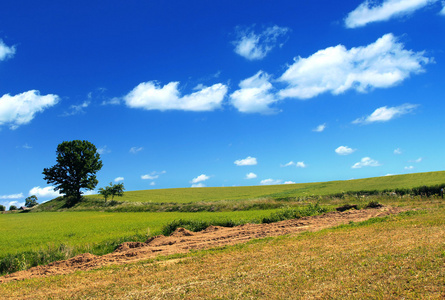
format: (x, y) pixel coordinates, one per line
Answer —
(112, 190)
(31, 201)
(76, 167)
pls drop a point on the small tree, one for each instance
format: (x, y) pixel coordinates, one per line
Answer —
(112, 190)
(13, 207)
(31, 201)
(2, 208)
(76, 167)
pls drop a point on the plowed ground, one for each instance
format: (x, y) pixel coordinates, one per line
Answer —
(182, 241)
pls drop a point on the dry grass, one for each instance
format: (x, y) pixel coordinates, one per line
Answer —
(401, 257)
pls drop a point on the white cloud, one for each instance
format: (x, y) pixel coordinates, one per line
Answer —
(398, 151)
(289, 182)
(151, 96)
(254, 95)
(46, 192)
(12, 196)
(320, 128)
(5, 51)
(253, 46)
(442, 12)
(366, 162)
(103, 150)
(152, 175)
(77, 109)
(409, 168)
(416, 160)
(271, 181)
(369, 11)
(384, 114)
(20, 109)
(152, 183)
(251, 175)
(248, 161)
(135, 150)
(381, 64)
(344, 150)
(198, 185)
(200, 178)
(299, 164)
(117, 179)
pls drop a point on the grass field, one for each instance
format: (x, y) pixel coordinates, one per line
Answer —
(258, 266)
(397, 257)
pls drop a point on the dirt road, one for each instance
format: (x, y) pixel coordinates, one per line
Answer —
(182, 241)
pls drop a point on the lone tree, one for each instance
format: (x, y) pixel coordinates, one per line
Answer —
(76, 167)
(112, 190)
(31, 201)
(12, 207)
(2, 208)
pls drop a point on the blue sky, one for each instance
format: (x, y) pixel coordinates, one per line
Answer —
(221, 93)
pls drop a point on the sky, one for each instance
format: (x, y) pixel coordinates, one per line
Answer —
(221, 93)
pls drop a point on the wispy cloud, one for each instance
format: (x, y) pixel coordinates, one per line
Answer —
(320, 128)
(298, 164)
(6, 51)
(344, 150)
(153, 175)
(255, 95)
(370, 11)
(151, 96)
(135, 150)
(248, 161)
(416, 160)
(103, 150)
(77, 109)
(12, 196)
(398, 151)
(381, 64)
(21, 109)
(409, 168)
(366, 162)
(385, 113)
(271, 181)
(255, 46)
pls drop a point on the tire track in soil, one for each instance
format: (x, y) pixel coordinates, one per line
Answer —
(183, 240)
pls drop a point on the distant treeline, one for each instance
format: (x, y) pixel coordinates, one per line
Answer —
(424, 191)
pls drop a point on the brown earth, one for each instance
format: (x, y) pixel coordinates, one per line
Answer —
(182, 241)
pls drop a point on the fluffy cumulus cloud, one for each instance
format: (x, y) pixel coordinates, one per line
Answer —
(248, 161)
(46, 192)
(344, 150)
(198, 181)
(117, 179)
(381, 64)
(320, 128)
(251, 175)
(384, 114)
(21, 109)
(6, 51)
(151, 96)
(366, 162)
(255, 94)
(153, 175)
(255, 46)
(372, 11)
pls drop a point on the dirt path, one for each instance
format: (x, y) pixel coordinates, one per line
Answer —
(182, 241)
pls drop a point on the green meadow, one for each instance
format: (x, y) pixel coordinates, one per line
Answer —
(54, 231)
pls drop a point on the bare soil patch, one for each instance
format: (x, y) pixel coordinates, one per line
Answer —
(182, 241)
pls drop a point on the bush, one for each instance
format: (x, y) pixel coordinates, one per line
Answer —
(13, 207)
(2, 208)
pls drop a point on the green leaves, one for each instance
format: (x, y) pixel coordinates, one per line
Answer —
(77, 164)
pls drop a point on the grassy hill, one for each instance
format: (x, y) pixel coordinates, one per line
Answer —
(151, 200)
